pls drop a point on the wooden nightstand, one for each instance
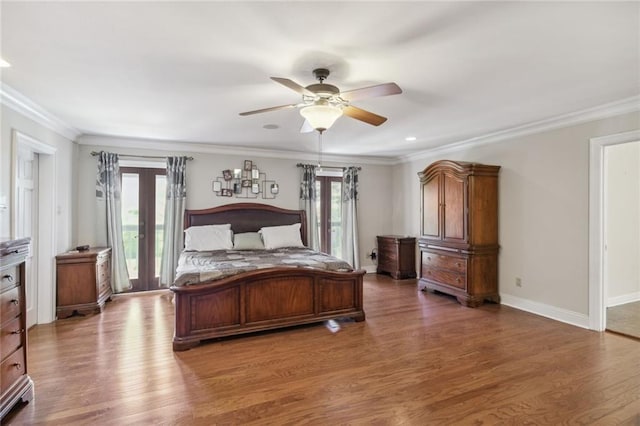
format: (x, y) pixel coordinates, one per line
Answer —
(397, 256)
(84, 281)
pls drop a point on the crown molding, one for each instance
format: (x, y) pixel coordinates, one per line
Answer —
(203, 148)
(611, 109)
(15, 100)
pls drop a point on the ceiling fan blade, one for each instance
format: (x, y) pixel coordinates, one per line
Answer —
(293, 86)
(306, 127)
(362, 115)
(371, 91)
(275, 108)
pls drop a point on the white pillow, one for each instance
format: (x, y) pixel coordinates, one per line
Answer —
(281, 236)
(248, 241)
(208, 237)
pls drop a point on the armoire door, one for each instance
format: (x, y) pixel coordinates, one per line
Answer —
(454, 221)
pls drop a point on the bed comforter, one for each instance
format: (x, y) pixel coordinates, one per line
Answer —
(196, 267)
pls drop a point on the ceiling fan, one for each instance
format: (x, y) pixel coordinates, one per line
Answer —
(322, 104)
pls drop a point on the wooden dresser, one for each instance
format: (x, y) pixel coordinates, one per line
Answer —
(397, 256)
(15, 383)
(83, 281)
(459, 243)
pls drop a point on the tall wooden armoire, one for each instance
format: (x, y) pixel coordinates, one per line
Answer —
(459, 242)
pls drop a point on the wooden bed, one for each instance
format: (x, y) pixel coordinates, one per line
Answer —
(261, 299)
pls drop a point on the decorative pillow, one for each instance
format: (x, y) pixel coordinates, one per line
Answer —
(248, 241)
(208, 237)
(281, 236)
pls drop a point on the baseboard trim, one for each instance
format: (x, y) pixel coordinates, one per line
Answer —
(625, 298)
(547, 311)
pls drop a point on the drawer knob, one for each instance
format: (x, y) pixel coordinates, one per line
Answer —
(428, 257)
(17, 331)
(458, 280)
(8, 277)
(17, 365)
(15, 302)
(429, 272)
(458, 264)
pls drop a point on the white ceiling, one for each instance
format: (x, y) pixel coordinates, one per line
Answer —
(183, 71)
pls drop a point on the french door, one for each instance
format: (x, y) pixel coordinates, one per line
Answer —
(329, 208)
(143, 200)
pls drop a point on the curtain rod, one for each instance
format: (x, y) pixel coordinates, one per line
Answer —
(94, 153)
(325, 167)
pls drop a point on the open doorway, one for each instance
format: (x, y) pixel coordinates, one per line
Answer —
(621, 200)
(598, 298)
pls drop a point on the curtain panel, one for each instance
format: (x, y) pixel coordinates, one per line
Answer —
(308, 198)
(350, 248)
(109, 217)
(173, 241)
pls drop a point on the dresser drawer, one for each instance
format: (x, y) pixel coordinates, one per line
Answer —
(9, 304)
(441, 261)
(10, 337)
(104, 271)
(442, 276)
(11, 369)
(9, 277)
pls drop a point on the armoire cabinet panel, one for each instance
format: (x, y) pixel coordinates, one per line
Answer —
(459, 242)
(453, 208)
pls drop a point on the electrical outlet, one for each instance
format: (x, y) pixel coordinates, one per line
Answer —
(518, 282)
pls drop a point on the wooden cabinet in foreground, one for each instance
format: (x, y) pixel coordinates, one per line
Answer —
(459, 242)
(15, 383)
(83, 281)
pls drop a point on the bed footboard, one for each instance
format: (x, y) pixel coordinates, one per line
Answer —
(263, 300)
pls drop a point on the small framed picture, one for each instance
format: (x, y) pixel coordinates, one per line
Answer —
(255, 188)
(217, 186)
(226, 174)
(248, 164)
(246, 183)
(255, 174)
(237, 173)
(237, 188)
(226, 192)
(275, 188)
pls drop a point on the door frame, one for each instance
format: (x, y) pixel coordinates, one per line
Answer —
(45, 234)
(597, 290)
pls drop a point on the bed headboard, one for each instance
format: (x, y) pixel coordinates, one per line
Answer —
(247, 217)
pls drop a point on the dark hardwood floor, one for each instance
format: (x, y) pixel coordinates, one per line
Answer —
(418, 359)
(625, 319)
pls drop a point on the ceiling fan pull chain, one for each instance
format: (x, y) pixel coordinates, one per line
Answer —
(320, 150)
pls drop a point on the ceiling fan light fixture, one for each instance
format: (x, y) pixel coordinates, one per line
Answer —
(321, 116)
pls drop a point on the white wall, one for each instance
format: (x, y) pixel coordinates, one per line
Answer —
(622, 223)
(375, 189)
(543, 208)
(65, 181)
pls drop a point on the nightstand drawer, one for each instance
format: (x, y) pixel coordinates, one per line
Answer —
(11, 369)
(9, 278)
(9, 304)
(10, 337)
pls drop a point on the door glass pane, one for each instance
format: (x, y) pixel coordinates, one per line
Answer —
(161, 199)
(336, 219)
(130, 220)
